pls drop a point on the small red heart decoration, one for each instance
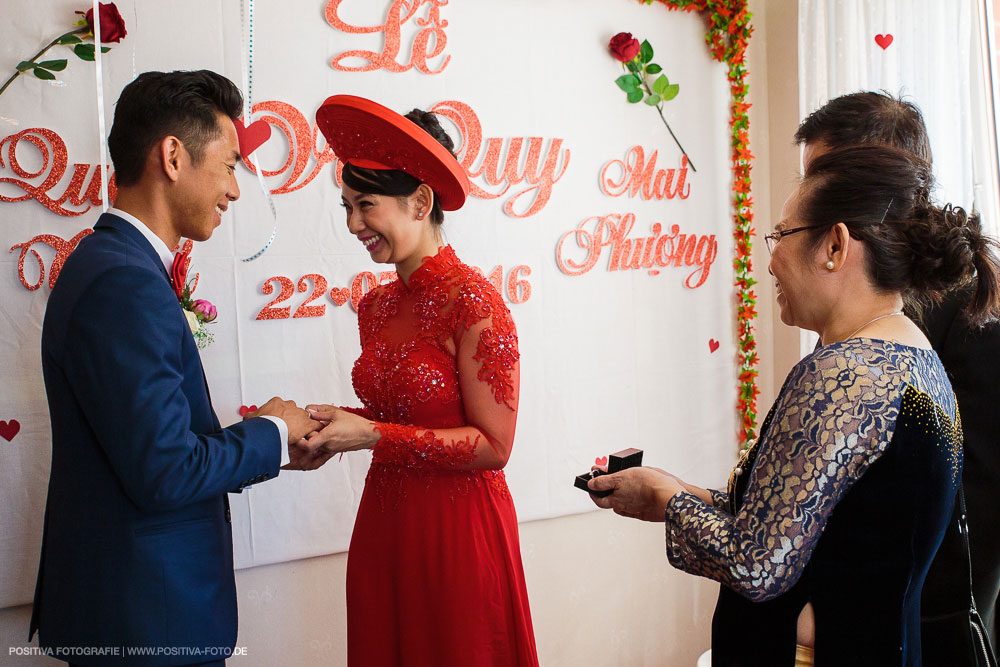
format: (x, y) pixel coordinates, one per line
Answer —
(601, 461)
(9, 429)
(713, 345)
(244, 409)
(883, 40)
(340, 295)
(253, 136)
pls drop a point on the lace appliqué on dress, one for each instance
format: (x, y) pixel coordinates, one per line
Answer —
(448, 299)
(413, 336)
(497, 347)
(407, 446)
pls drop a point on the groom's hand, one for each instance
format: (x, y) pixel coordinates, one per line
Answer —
(299, 423)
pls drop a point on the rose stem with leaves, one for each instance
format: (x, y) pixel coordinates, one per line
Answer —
(659, 106)
(38, 55)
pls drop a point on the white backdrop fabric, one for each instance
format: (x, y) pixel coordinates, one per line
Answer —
(610, 359)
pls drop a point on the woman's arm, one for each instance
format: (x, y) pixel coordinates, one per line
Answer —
(644, 492)
(717, 499)
(709, 496)
(831, 422)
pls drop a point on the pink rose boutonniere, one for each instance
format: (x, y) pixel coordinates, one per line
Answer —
(199, 313)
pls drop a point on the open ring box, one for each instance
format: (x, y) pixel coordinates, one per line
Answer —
(626, 458)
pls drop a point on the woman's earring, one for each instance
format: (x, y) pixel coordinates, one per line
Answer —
(830, 265)
(420, 216)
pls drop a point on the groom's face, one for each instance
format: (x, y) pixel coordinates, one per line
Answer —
(206, 189)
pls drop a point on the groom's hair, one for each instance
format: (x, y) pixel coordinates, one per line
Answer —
(867, 118)
(160, 104)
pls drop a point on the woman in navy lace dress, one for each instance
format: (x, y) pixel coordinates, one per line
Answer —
(831, 519)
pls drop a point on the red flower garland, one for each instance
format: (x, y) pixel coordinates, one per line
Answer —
(729, 31)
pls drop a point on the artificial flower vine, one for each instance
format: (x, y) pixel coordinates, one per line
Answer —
(729, 32)
(112, 31)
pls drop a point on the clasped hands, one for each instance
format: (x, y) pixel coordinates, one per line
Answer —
(638, 493)
(318, 431)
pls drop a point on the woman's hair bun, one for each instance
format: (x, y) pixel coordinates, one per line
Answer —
(922, 250)
(429, 122)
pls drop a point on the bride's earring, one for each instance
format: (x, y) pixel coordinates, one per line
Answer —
(420, 215)
(830, 265)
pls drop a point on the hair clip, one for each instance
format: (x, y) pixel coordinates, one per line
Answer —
(886, 212)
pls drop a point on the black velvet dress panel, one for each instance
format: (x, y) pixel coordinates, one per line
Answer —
(971, 356)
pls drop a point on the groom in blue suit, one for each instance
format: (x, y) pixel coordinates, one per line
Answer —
(137, 556)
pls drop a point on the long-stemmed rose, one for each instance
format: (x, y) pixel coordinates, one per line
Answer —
(112, 23)
(624, 47)
(636, 60)
(112, 31)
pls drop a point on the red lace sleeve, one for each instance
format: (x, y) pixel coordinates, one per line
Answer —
(481, 314)
(488, 377)
(361, 412)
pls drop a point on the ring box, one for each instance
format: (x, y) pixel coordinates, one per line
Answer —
(626, 458)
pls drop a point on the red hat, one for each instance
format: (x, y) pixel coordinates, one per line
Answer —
(370, 136)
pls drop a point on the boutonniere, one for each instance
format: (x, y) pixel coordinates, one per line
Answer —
(199, 312)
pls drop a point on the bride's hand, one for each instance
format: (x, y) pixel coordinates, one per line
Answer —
(302, 458)
(322, 412)
(344, 431)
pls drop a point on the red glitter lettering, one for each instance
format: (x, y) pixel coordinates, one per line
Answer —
(659, 249)
(642, 178)
(429, 42)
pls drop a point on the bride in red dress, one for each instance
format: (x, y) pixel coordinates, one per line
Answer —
(434, 573)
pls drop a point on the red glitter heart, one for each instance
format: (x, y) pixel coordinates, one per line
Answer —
(601, 461)
(244, 409)
(9, 429)
(252, 137)
(340, 295)
(713, 345)
(883, 40)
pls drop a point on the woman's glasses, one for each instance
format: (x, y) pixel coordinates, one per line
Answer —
(772, 239)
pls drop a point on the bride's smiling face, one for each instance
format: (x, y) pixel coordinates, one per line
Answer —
(387, 226)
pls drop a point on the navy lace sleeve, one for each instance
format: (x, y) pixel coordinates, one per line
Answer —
(720, 499)
(834, 417)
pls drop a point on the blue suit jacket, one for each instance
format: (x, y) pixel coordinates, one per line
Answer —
(137, 545)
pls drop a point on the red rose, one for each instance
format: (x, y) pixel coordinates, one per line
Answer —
(624, 47)
(112, 23)
(178, 272)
